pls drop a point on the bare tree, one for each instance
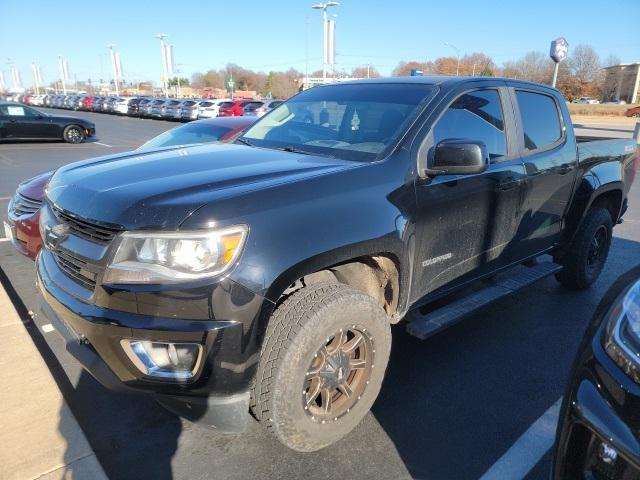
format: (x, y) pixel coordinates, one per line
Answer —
(584, 63)
(365, 72)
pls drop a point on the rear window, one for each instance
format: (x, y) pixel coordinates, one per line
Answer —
(205, 104)
(226, 104)
(188, 103)
(275, 104)
(174, 102)
(540, 121)
(252, 106)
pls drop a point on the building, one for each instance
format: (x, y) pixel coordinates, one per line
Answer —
(622, 82)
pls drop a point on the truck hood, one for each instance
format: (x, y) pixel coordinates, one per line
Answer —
(160, 189)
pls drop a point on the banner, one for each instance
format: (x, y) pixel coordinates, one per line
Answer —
(331, 49)
(168, 55)
(117, 64)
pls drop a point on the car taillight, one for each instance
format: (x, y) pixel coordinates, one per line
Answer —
(261, 109)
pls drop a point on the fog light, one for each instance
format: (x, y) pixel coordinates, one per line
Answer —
(175, 361)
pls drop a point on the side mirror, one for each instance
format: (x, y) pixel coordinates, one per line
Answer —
(458, 157)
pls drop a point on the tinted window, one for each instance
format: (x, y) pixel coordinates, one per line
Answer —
(205, 104)
(187, 134)
(540, 120)
(226, 104)
(475, 116)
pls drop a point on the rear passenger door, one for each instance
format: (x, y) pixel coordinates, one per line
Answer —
(550, 167)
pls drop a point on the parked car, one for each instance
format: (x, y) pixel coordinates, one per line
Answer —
(210, 108)
(233, 108)
(189, 110)
(597, 436)
(23, 215)
(265, 275)
(587, 100)
(136, 106)
(110, 104)
(19, 121)
(170, 110)
(158, 108)
(87, 102)
(121, 105)
(98, 103)
(23, 211)
(633, 112)
(258, 109)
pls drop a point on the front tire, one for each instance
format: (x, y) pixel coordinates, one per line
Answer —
(322, 363)
(73, 134)
(588, 251)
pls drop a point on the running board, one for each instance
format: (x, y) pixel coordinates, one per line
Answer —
(424, 326)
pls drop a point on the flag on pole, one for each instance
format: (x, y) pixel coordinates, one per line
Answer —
(168, 54)
(331, 49)
(117, 64)
(65, 70)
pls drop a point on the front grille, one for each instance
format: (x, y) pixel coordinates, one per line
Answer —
(87, 230)
(22, 205)
(75, 268)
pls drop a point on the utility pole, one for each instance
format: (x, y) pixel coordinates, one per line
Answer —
(64, 73)
(325, 34)
(163, 48)
(115, 67)
(457, 56)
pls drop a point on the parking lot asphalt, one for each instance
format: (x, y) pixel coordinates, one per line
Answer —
(449, 408)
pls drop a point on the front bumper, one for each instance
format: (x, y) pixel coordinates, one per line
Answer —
(217, 395)
(600, 411)
(25, 236)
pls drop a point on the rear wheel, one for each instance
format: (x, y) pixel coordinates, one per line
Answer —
(73, 134)
(322, 364)
(588, 251)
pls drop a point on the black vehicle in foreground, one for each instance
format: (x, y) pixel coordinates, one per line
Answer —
(599, 422)
(265, 275)
(20, 122)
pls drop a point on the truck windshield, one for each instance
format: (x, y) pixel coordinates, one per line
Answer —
(351, 122)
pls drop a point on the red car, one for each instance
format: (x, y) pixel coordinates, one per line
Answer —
(633, 112)
(234, 108)
(87, 103)
(24, 214)
(24, 208)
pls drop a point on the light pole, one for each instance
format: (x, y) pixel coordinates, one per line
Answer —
(323, 7)
(161, 37)
(457, 56)
(115, 68)
(63, 73)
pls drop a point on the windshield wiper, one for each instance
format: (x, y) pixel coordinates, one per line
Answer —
(244, 141)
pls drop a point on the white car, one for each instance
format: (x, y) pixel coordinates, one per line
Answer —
(258, 109)
(210, 108)
(587, 101)
(121, 105)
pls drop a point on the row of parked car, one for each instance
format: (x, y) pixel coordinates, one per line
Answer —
(155, 107)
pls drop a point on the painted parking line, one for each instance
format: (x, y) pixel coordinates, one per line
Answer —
(4, 239)
(103, 144)
(527, 451)
(4, 198)
(47, 328)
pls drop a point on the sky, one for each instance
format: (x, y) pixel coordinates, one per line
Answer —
(278, 34)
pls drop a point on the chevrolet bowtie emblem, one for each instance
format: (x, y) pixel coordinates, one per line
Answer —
(55, 234)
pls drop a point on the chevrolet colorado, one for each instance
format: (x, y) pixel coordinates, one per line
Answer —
(263, 276)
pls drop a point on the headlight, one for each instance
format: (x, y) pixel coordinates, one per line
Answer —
(622, 341)
(149, 257)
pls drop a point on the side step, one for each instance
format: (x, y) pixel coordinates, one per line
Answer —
(424, 326)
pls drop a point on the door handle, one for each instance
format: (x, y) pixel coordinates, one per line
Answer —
(564, 169)
(509, 184)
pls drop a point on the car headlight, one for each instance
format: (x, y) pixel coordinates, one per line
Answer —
(150, 257)
(622, 341)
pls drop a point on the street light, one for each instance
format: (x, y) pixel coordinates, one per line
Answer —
(458, 57)
(115, 68)
(323, 7)
(161, 37)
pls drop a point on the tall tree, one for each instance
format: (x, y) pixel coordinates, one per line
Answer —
(584, 63)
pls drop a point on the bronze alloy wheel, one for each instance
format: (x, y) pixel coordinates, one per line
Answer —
(338, 374)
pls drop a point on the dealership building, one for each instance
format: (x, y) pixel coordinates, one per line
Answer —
(622, 82)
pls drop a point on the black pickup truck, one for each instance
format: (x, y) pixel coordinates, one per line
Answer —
(263, 276)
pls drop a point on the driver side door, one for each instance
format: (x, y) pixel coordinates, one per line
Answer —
(465, 224)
